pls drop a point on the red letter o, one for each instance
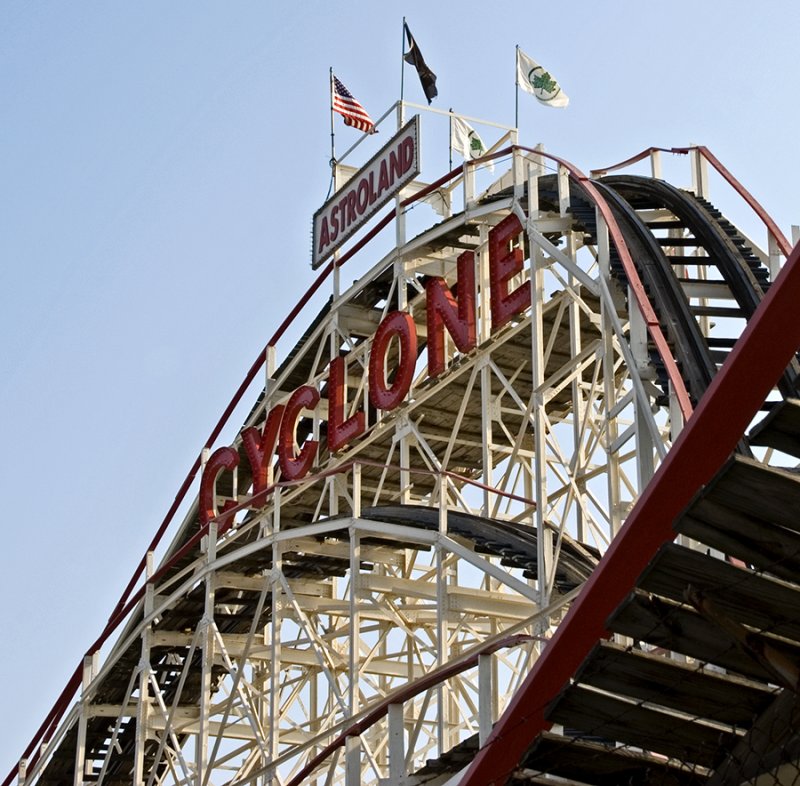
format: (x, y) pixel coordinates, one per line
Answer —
(401, 325)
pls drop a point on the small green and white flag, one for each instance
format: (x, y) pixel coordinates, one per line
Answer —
(539, 82)
(464, 139)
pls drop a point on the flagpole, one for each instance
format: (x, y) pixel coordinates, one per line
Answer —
(333, 137)
(451, 139)
(516, 89)
(402, 68)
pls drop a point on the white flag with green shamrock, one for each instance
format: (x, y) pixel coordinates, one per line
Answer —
(464, 139)
(539, 82)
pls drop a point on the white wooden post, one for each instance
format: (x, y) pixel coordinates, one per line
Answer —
(699, 174)
(469, 185)
(208, 647)
(397, 752)
(143, 705)
(655, 163)
(485, 703)
(352, 761)
(356, 491)
(774, 257)
(639, 340)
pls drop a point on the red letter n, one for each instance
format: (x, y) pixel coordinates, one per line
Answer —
(445, 312)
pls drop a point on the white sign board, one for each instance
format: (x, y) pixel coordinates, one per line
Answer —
(392, 167)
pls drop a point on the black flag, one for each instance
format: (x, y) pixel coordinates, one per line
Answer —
(426, 76)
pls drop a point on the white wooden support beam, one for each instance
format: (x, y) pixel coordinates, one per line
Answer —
(355, 620)
(356, 490)
(400, 222)
(603, 246)
(79, 772)
(396, 743)
(404, 431)
(774, 257)
(485, 702)
(578, 404)
(676, 423)
(699, 174)
(544, 543)
(655, 164)
(352, 762)
(487, 416)
(208, 644)
(608, 322)
(442, 649)
(143, 703)
(518, 161)
(469, 186)
(563, 191)
(272, 705)
(533, 191)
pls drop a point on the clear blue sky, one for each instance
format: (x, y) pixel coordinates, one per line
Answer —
(159, 166)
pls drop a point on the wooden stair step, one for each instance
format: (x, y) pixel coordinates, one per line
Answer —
(609, 717)
(780, 429)
(768, 547)
(744, 596)
(657, 679)
(731, 312)
(604, 765)
(679, 628)
(755, 489)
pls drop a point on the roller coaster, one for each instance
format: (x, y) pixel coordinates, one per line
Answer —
(518, 507)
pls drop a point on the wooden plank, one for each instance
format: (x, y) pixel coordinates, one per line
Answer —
(680, 686)
(675, 627)
(754, 489)
(780, 429)
(610, 718)
(768, 547)
(604, 765)
(752, 599)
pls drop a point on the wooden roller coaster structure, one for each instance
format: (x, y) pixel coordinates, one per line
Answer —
(494, 518)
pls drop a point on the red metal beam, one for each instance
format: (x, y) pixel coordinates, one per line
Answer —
(758, 359)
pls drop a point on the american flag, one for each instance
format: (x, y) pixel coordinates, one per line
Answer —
(354, 114)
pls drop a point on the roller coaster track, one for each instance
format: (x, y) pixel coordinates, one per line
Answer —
(673, 665)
